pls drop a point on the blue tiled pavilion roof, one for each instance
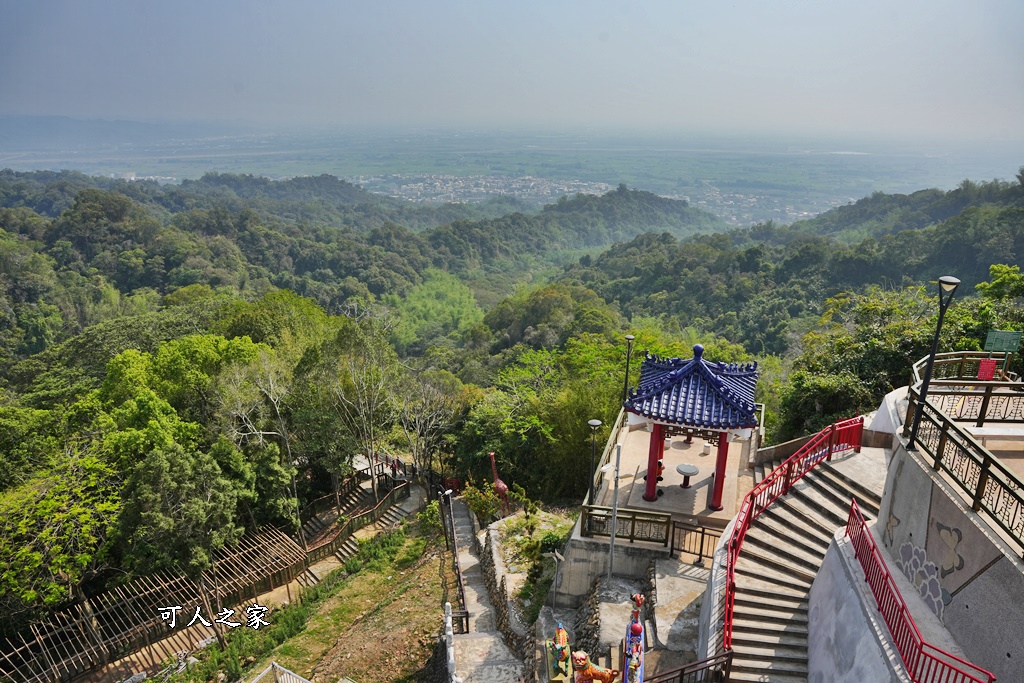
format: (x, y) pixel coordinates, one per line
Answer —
(695, 393)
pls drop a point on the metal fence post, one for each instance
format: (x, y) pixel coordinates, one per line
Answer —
(941, 448)
(983, 411)
(982, 481)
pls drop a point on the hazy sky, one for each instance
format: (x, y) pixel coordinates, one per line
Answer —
(892, 67)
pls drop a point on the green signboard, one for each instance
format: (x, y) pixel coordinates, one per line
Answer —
(1002, 340)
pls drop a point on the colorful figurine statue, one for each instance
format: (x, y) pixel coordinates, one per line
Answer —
(633, 653)
(559, 646)
(586, 671)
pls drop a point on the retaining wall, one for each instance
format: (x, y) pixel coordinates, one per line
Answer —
(969, 577)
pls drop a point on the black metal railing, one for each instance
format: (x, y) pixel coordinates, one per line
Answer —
(992, 487)
(711, 670)
(694, 539)
(956, 395)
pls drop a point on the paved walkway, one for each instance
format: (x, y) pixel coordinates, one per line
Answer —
(481, 655)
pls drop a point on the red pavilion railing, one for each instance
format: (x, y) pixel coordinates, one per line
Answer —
(841, 436)
(925, 663)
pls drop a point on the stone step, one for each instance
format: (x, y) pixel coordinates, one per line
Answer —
(347, 550)
(754, 556)
(869, 502)
(792, 660)
(782, 552)
(775, 604)
(791, 513)
(759, 474)
(765, 578)
(765, 676)
(771, 615)
(768, 627)
(792, 535)
(837, 494)
(761, 589)
(790, 641)
(819, 505)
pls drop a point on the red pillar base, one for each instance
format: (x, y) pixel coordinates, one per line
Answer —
(719, 483)
(654, 453)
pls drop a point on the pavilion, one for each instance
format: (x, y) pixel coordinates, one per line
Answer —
(694, 397)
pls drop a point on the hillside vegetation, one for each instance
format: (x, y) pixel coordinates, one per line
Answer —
(182, 364)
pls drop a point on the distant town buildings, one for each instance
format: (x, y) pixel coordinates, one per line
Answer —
(735, 208)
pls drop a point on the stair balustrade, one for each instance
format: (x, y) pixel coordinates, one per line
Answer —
(924, 662)
(353, 524)
(836, 438)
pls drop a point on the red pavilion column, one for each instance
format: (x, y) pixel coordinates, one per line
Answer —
(654, 454)
(723, 457)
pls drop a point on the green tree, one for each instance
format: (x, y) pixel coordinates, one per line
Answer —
(178, 510)
(1005, 282)
(54, 528)
(357, 374)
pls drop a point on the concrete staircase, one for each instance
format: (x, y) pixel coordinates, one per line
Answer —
(481, 656)
(478, 600)
(391, 518)
(781, 554)
(347, 550)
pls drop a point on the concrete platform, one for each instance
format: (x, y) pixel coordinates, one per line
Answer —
(867, 468)
(689, 504)
(484, 658)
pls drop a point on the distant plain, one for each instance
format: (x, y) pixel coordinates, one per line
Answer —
(744, 179)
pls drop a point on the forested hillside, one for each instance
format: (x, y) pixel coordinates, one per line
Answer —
(215, 343)
(885, 214)
(766, 285)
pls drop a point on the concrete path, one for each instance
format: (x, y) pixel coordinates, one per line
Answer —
(481, 655)
(680, 593)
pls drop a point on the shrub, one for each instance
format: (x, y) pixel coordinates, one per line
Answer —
(482, 501)
(551, 541)
(430, 519)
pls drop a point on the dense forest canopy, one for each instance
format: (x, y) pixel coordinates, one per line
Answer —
(217, 340)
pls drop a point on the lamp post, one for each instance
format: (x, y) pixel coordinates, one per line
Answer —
(446, 517)
(615, 507)
(947, 287)
(557, 557)
(629, 351)
(594, 424)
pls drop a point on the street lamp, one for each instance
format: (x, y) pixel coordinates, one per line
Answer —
(947, 287)
(447, 519)
(615, 507)
(557, 557)
(594, 424)
(629, 350)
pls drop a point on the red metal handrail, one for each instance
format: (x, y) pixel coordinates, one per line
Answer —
(925, 663)
(841, 436)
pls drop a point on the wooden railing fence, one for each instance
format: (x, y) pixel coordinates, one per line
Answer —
(331, 544)
(694, 539)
